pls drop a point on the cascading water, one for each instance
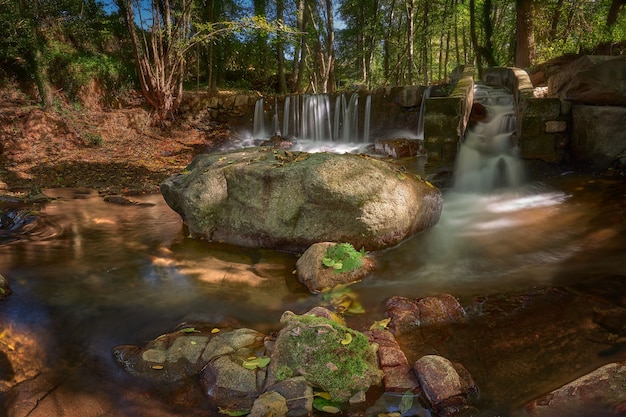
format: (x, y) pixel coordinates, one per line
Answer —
(420, 122)
(487, 157)
(315, 124)
(258, 130)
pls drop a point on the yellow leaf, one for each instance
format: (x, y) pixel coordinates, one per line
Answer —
(347, 339)
(157, 367)
(330, 409)
(215, 330)
(380, 324)
(324, 395)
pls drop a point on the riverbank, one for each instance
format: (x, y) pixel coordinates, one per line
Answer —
(116, 151)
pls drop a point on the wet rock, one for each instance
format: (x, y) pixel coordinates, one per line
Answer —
(400, 148)
(230, 385)
(338, 360)
(407, 314)
(317, 277)
(176, 356)
(269, 404)
(598, 136)
(5, 289)
(258, 197)
(600, 393)
(448, 392)
(299, 394)
(398, 375)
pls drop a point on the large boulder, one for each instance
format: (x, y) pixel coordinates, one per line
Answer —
(260, 197)
(597, 80)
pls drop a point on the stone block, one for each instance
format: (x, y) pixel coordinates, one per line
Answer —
(555, 126)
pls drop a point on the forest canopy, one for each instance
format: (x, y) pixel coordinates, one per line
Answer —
(287, 45)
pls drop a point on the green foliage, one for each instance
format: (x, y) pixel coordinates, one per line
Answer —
(93, 138)
(343, 257)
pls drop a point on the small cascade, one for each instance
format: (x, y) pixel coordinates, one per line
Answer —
(366, 121)
(258, 130)
(420, 121)
(487, 157)
(311, 117)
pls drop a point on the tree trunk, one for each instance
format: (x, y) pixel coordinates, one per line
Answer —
(616, 5)
(482, 52)
(524, 38)
(410, 6)
(282, 80)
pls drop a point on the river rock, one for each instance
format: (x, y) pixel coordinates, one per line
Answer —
(269, 404)
(398, 375)
(317, 277)
(330, 356)
(259, 197)
(599, 393)
(5, 289)
(230, 385)
(299, 394)
(407, 314)
(448, 391)
(184, 353)
(597, 80)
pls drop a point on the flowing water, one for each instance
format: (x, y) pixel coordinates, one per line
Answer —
(90, 275)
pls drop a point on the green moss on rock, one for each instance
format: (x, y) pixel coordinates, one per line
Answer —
(330, 356)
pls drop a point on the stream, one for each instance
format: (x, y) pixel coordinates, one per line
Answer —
(89, 275)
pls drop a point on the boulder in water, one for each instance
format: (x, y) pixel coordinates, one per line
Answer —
(285, 200)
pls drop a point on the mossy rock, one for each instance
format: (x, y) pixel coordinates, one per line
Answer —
(330, 356)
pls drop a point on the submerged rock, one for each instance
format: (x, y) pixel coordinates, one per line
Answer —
(261, 197)
(601, 393)
(184, 353)
(407, 314)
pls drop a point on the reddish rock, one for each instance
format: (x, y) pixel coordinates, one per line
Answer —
(448, 391)
(408, 314)
(398, 375)
(442, 308)
(599, 393)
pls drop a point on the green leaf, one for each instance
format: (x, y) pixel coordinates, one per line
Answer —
(233, 413)
(256, 363)
(189, 330)
(328, 262)
(406, 402)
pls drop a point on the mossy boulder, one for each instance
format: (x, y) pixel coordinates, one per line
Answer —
(259, 197)
(330, 356)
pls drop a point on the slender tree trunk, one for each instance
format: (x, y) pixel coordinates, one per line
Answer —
(410, 14)
(524, 38)
(282, 80)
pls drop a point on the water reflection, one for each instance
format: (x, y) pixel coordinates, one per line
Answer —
(110, 274)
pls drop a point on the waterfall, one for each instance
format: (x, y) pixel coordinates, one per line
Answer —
(258, 130)
(487, 157)
(311, 117)
(366, 117)
(420, 121)
(351, 120)
(286, 114)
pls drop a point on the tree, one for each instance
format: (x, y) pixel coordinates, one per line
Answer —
(524, 40)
